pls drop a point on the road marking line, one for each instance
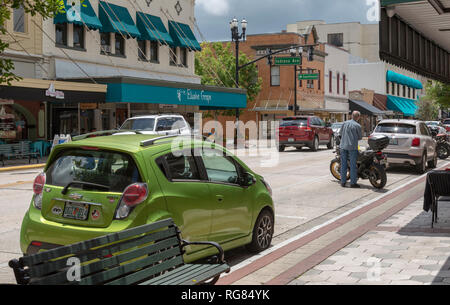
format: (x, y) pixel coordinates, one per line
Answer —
(15, 184)
(291, 217)
(295, 238)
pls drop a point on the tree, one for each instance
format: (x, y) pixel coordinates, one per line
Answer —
(440, 93)
(216, 65)
(45, 8)
(428, 110)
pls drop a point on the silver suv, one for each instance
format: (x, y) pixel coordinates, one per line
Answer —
(410, 143)
(166, 124)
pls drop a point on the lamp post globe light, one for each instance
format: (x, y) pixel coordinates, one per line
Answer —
(236, 37)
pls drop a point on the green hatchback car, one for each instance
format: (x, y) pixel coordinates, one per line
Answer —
(100, 185)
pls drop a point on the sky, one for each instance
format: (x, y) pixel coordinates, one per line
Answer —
(272, 16)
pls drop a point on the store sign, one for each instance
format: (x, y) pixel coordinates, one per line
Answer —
(193, 95)
(88, 106)
(7, 125)
(168, 106)
(52, 92)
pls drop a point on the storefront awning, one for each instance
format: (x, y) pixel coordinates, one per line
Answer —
(130, 90)
(87, 16)
(183, 36)
(116, 19)
(152, 28)
(397, 78)
(403, 105)
(364, 108)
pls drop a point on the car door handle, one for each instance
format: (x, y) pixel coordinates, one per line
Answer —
(220, 198)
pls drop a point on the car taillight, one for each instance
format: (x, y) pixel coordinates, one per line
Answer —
(133, 195)
(38, 188)
(416, 142)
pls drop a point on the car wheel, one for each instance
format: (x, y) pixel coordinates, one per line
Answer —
(331, 144)
(315, 145)
(422, 166)
(433, 163)
(281, 148)
(262, 232)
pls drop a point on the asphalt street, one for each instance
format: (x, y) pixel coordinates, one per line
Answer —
(304, 192)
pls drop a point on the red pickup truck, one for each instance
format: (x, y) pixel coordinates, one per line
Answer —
(300, 131)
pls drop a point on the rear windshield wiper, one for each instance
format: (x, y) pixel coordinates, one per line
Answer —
(94, 185)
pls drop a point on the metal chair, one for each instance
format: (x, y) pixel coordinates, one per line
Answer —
(438, 187)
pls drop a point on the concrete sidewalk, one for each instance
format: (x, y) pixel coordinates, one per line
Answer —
(388, 240)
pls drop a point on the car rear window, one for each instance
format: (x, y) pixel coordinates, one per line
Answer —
(447, 122)
(113, 170)
(139, 124)
(294, 122)
(396, 128)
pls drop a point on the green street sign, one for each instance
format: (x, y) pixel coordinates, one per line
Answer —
(288, 61)
(308, 76)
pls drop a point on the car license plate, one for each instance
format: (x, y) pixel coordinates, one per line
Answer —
(77, 211)
(393, 141)
(291, 140)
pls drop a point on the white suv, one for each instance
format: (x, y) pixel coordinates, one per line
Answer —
(410, 143)
(158, 124)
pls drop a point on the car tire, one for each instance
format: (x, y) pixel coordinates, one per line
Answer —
(433, 163)
(262, 232)
(315, 144)
(331, 144)
(421, 167)
(281, 148)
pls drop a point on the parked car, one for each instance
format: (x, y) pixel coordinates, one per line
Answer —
(158, 124)
(301, 131)
(446, 124)
(411, 142)
(336, 127)
(95, 186)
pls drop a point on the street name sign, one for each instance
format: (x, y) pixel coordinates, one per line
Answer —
(288, 61)
(308, 76)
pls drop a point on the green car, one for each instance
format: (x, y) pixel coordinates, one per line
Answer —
(105, 184)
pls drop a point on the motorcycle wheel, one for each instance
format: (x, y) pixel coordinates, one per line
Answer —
(378, 177)
(443, 152)
(335, 169)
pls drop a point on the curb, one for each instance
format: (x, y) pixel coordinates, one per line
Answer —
(21, 167)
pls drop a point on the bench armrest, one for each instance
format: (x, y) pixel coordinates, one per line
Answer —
(207, 243)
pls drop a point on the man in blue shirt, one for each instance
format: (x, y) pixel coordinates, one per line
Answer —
(350, 133)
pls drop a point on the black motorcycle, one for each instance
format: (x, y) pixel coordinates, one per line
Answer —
(371, 163)
(442, 143)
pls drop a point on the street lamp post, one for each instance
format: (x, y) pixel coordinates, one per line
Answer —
(236, 37)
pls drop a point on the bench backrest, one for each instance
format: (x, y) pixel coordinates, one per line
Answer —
(124, 258)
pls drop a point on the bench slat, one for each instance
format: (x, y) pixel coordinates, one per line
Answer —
(114, 261)
(52, 266)
(194, 269)
(136, 277)
(96, 242)
(113, 273)
(203, 277)
(178, 270)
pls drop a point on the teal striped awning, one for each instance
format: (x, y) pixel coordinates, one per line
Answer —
(398, 78)
(152, 28)
(183, 36)
(406, 106)
(87, 15)
(117, 19)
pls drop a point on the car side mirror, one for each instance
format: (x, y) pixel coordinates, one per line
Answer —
(247, 180)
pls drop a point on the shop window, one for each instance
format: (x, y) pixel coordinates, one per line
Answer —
(173, 56)
(61, 34)
(387, 87)
(184, 57)
(275, 76)
(78, 36)
(338, 80)
(142, 49)
(331, 81)
(105, 40)
(310, 83)
(393, 88)
(120, 45)
(19, 18)
(344, 80)
(154, 51)
(319, 83)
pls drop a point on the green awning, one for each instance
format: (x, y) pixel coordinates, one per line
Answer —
(87, 15)
(152, 28)
(183, 36)
(406, 106)
(117, 19)
(397, 78)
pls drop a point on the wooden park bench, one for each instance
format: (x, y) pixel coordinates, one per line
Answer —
(147, 255)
